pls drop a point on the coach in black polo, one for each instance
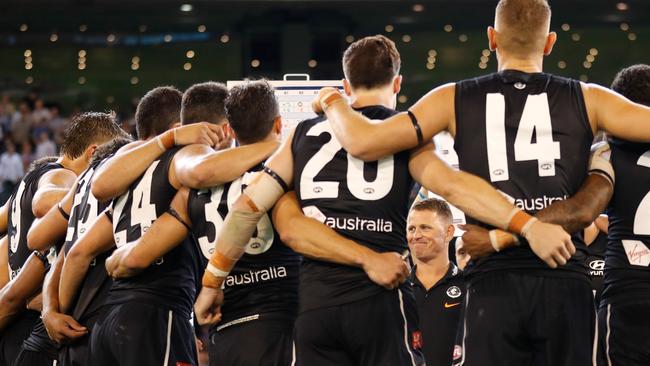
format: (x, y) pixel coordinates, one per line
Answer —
(436, 282)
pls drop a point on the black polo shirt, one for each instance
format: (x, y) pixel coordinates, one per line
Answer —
(439, 310)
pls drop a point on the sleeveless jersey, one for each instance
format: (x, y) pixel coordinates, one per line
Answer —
(627, 260)
(85, 209)
(21, 216)
(365, 202)
(529, 135)
(264, 282)
(170, 281)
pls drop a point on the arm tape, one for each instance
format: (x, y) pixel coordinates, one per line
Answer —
(178, 217)
(416, 125)
(65, 215)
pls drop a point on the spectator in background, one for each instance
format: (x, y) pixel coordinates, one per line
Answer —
(27, 153)
(44, 146)
(22, 123)
(11, 170)
(57, 124)
(462, 257)
(41, 117)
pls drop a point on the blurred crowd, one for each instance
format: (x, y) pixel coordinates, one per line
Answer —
(30, 128)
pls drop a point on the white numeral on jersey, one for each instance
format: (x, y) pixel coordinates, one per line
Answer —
(258, 244)
(535, 121)
(642, 216)
(143, 212)
(15, 217)
(357, 184)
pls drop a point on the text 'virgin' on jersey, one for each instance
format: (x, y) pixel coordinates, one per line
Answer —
(363, 201)
(529, 135)
(627, 259)
(264, 282)
(170, 280)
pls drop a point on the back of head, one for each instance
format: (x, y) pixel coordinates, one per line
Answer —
(107, 149)
(157, 111)
(522, 26)
(87, 129)
(634, 83)
(371, 62)
(252, 108)
(204, 102)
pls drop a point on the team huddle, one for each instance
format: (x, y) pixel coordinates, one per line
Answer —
(305, 251)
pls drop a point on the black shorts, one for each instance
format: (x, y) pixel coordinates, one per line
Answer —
(33, 358)
(371, 332)
(255, 343)
(76, 353)
(136, 334)
(12, 338)
(624, 331)
(517, 319)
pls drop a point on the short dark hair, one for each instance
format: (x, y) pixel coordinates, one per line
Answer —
(105, 150)
(252, 108)
(440, 207)
(89, 128)
(157, 111)
(371, 62)
(204, 102)
(634, 83)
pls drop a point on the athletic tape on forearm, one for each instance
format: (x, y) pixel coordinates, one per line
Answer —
(330, 99)
(519, 222)
(599, 162)
(501, 240)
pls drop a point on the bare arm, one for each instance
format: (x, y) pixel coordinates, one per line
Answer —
(114, 176)
(52, 227)
(98, 239)
(4, 261)
(372, 141)
(615, 114)
(14, 296)
(52, 187)
(163, 235)
(4, 217)
(61, 328)
(198, 166)
(317, 241)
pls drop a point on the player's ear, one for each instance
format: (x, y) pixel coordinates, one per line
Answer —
(450, 232)
(397, 84)
(492, 38)
(90, 150)
(347, 88)
(228, 131)
(175, 124)
(277, 124)
(550, 42)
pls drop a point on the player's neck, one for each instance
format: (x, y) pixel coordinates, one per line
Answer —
(365, 98)
(432, 271)
(529, 65)
(77, 165)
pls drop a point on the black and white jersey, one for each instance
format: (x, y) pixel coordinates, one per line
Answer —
(264, 282)
(365, 202)
(85, 209)
(627, 260)
(170, 281)
(21, 216)
(529, 135)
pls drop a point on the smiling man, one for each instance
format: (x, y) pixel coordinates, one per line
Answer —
(436, 282)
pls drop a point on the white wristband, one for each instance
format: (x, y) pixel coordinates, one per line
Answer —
(216, 271)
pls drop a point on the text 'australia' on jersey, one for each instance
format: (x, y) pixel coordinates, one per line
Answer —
(85, 210)
(264, 282)
(21, 216)
(529, 135)
(363, 201)
(170, 280)
(627, 259)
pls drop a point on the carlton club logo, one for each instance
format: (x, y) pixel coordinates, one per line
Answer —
(417, 340)
(454, 292)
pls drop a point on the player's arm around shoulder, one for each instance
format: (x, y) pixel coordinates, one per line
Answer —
(4, 261)
(167, 232)
(4, 217)
(15, 294)
(615, 114)
(52, 187)
(46, 231)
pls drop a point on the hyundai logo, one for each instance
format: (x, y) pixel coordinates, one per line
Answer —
(597, 265)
